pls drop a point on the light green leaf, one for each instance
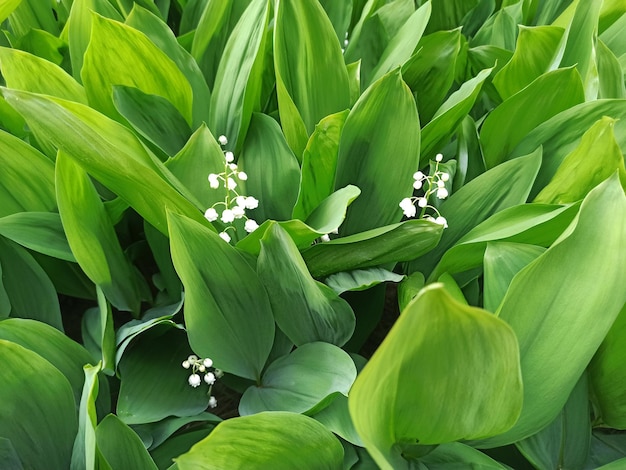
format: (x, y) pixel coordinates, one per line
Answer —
(336, 418)
(381, 124)
(360, 279)
(43, 415)
(121, 447)
(304, 309)
(319, 163)
(92, 237)
(273, 171)
(455, 455)
(260, 441)
(109, 152)
(393, 243)
(610, 74)
(28, 288)
(85, 453)
(409, 288)
(301, 382)
(155, 434)
(227, 311)
(28, 178)
(23, 71)
(580, 305)
(303, 35)
(453, 395)
(121, 55)
(7, 7)
(510, 122)
(237, 90)
(502, 262)
(596, 158)
(38, 231)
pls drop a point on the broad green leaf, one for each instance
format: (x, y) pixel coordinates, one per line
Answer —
(403, 43)
(449, 14)
(596, 158)
(302, 381)
(28, 288)
(177, 445)
(259, 442)
(121, 55)
(393, 243)
(510, 122)
(616, 465)
(153, 117)
(536, 51)
(227, 311)
(7, 7)
(109, 152)
(304, 309)
(154, 384)
(121, 447)
(611, 82)
(565, 442)
(33, 14)
(40, 421)
(606, 375)
(66, 355)
(23, 71)
(470, 163)
(319, 163)
(79, 28)
(580, 305)
(429, 73)
(455, 455)
(449, 116)
(8, 456)
(155, 434)
(27, 182)
(67, 277)
(92, 237)
(273, 171)
(497, 189)
(336, 418)
(160, 247)
(500, 29)
(381, 124)
(5, 303)
(45, 46)
(303, 35)
(423, 365)
(360, 279)
(579, 48)
(339, 14)
(38, 231)
(503, 260)
(409, 288)
(98, 333)
(85, 453)
(560, 135)
(161, 35)
(238, 83)
(606, 447)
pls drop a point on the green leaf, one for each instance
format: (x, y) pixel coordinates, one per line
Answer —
(260, 441)
(606, 375)
(580, 305)
(238, 83)
(393, 243)
(383, 122)
(66, 355)
(302, 381)
(336, 418)
(502, 262)
(98, 333)
(121, 55)
(409, 288)
(423, 365)
(8, 456)
(273, 171)
(154, 384)
(31, 14)
(510, 122)
(595, 159)
(303, 35)
(565, 442)
(153, 117)
(109, 152)
(560, 135)
(44, 415)
(7, 7)
(304, 309)
(339, 14)
(609, 73)
(360, 279)
(24, 71)
(92, 237)
(319, 163)
(85, 453)
(28, 181)
(497, 189)
(227, 311)
(38, 231)
(457, 455)
(449, 116)
(121, 447)
(28, 288)
(158, 433)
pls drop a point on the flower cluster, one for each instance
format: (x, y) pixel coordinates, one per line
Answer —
(234, 205)
(203, 366)
(434, 184)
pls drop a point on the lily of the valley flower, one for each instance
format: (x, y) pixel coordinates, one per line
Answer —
(198, 366)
